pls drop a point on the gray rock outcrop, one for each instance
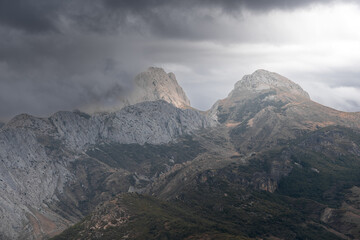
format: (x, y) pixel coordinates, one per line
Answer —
(35, 153)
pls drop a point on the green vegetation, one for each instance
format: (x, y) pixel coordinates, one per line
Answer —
(73, 232)
(157, 219)
(323, 174)
(212, 213)
(324, 164)
(152, 218)
(151, 158)
(255, 213)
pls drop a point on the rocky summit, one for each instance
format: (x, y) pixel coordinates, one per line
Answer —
(155, 84)
(264, 163)
(262, 80)
(151, 85)
(266, 108)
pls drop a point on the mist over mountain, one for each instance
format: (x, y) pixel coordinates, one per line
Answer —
(151, 85)
(264, 162)
(74, 54)
(95, 144)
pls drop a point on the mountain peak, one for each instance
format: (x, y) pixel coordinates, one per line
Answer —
(264, 80)
(156, 84)
(151, 85)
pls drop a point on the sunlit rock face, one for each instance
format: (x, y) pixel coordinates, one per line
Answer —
(151, 85)
(155, 84)
(271, 86)
(264, 80)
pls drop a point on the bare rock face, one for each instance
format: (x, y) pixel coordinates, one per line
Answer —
(152, 85)
(272, 86)
(155, 84)
(35, 154)
(262, 80)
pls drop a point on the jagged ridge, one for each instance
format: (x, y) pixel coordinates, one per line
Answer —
(31, 176)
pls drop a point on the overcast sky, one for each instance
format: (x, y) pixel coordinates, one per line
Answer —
(62, 55)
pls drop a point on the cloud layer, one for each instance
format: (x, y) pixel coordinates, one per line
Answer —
(68, 54)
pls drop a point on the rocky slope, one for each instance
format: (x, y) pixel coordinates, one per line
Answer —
(40, 158)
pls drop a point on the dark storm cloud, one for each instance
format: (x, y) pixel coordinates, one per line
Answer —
(32, 16)
(43, 15)
(181, 19)
(66, 54)
(228, 5)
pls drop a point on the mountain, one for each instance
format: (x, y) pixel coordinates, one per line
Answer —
(264, 163)
(49, 172)
(265, 109)
(151, 85)
(277, 166)
(155, 84)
